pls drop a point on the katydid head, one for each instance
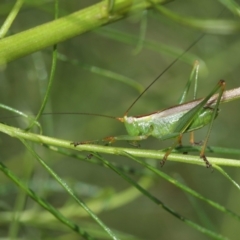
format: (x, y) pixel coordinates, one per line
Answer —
(131, 127)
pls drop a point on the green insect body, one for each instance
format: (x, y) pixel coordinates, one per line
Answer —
(174, 121)
(161, 124)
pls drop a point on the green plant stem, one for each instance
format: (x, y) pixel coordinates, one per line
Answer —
(51, 77)
(9, 20)
(44, 204)
(70, 191)
(160, 203)
(64, 28)
(155, 154)
(209, 25)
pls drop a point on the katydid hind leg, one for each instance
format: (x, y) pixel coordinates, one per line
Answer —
(202, 153)
(186, 120)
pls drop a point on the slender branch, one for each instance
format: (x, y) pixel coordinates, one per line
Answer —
(155, 154)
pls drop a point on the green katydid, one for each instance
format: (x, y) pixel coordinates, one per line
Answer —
(175, 121)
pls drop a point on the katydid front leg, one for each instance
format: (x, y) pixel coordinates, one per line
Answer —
(112, 139)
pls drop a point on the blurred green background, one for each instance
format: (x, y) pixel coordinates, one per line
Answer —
(77, 88)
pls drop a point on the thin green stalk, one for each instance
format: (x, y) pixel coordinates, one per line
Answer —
(155, 46)
(10, 18)
(21, 199)
(19, 113)
(44, 204)
(232, 6)
(185, 188)
(160, 203)
(51, 77)
(142, 33)
(70, 191)
(91, 159)
(227, 176)
(212, 26)
(203, 216)
(155, 154)
(102, 72)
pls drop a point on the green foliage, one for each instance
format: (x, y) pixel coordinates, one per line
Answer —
(113, 192)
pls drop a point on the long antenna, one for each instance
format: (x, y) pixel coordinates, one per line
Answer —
(172, 63)
(80, 113)
(165, 70)
(70, 113)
